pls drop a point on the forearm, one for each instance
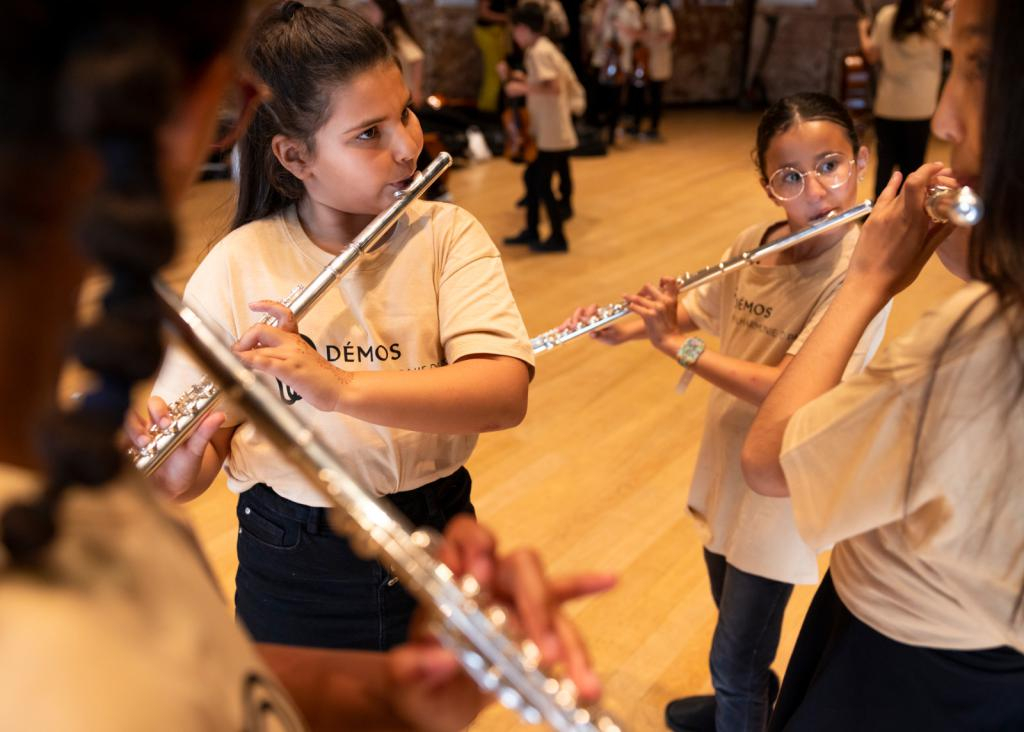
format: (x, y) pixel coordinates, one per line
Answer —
(473, 395)
(869, 49)
(746, 380)
(335, 689)
(816, 369)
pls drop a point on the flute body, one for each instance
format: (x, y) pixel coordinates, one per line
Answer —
(188, 410)
(959, 206)
(475, 632)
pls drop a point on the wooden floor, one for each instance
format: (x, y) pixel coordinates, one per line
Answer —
(597, 475)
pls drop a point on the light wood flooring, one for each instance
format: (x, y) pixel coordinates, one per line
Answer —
(596, 476)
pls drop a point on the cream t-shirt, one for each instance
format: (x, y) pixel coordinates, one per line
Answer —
(550, 114)
(658, 20)
(123, 628)
(431, 294)
(934, 557)
(761, 314)
(908, 85)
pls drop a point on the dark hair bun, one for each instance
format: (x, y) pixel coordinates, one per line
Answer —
(290, 8)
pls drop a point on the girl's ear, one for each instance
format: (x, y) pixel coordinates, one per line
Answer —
(292, 154)
(862, 161)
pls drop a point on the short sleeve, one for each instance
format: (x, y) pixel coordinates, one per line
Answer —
(476, 311)
(543, 63)
(845, 457)
(847, 454)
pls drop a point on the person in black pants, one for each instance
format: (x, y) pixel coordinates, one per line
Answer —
(906, 39)
(546, 87)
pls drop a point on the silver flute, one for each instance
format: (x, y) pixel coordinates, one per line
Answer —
(475, 630)
(187, 411)
(958, 206)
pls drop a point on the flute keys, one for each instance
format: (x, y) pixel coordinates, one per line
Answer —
(469, 586)
(490, 680)
(497, 616)
(510, 698)
(531, 715)
(565, 697)
(581, 717)
(531, 655)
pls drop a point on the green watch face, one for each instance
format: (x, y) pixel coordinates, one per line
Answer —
(690, 352)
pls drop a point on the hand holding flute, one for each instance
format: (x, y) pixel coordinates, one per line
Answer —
(900, 236)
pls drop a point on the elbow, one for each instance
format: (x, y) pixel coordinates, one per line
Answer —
(508, 413)
(762, 471)
(514, 412)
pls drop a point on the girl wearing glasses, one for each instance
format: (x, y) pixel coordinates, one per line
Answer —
(411, 355)
(809, 160)
(913, 468)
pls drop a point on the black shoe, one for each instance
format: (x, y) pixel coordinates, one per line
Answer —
(550, 245)
(565, 208)
(524, 237)
(633, 131)
(521, 203)
(691, 714)
(697, 713)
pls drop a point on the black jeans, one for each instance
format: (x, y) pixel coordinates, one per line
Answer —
(564, 181)
(845, 676)
(645, 101)
(538, 188)
(298, 583)
(900, 143)
(607, 108)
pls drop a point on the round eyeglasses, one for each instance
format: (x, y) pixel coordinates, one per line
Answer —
(831, 171)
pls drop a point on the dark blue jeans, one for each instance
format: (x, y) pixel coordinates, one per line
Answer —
(298, 583)
(750, 610)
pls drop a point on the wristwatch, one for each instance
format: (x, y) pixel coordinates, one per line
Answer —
(689, 352)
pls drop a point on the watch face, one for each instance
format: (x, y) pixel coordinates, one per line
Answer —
(690, 352)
